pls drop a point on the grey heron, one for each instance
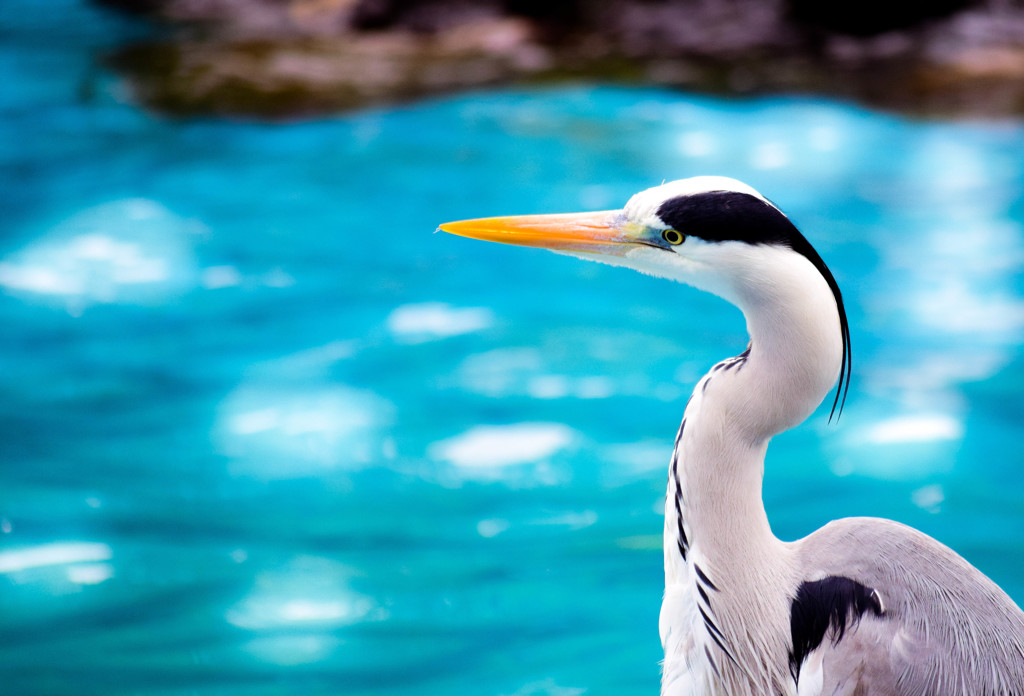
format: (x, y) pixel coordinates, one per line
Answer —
(863, 606)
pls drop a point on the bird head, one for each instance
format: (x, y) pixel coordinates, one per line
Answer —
(705, 231)
(711, 232)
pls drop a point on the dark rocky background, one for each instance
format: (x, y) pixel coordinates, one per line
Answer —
(288, 58)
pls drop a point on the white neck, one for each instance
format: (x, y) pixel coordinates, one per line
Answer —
(794, 358)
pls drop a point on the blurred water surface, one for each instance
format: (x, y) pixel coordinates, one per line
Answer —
(265, 433)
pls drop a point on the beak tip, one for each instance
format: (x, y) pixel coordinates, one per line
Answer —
(559, 232)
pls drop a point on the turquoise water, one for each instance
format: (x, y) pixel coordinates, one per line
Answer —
(265, 433)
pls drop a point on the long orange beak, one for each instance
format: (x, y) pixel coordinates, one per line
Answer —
(580, 232)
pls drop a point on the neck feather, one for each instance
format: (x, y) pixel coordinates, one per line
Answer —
(718, 465)
(793, 360)
(797, 348)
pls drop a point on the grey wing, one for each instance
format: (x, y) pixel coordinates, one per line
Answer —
(872, 659)
(921, 622)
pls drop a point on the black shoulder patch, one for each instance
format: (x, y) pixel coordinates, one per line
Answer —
(835, 603)
(724, 216)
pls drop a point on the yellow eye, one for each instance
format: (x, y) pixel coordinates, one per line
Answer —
(672, 237)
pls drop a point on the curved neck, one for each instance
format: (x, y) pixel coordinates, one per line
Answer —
(796, 346)
(715, 498)
(794, 356)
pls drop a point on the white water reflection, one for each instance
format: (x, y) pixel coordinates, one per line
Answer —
(90, 573)
(293, 650)
(58, 564)
(696, 144)
(910, 446)
(929, 427)
(547, 687)
(528, 371)
(490, 528)
(297, 607)
(825, 138)
(430, 321)
(127, 251)
(634, 461)
(58, 553)
(306, 591)
(483, 451)
(284, 431)
(290, 419)
(770, 155)
(502, 371)
(269, 611)
(929, 498)
(945, 299)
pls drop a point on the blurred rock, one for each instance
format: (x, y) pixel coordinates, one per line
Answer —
(872, 17)
(307, 74)
(703, 27)
(286, 58)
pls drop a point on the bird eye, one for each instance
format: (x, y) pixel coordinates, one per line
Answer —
(672, 237)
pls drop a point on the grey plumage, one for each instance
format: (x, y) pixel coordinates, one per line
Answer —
(946, 628)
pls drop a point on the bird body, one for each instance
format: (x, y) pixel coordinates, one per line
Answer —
(862, 607)
(940, 625)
